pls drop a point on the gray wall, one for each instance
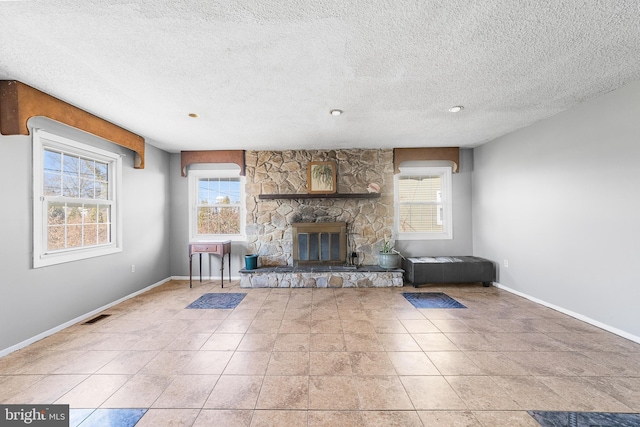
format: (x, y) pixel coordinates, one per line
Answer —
(560, 200)
(179, 188)
(461, 244)
(36, 300)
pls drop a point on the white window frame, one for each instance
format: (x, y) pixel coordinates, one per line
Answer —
(42, 257)
(223, 172)
(446, 217)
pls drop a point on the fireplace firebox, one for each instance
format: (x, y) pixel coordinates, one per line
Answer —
(319, 243)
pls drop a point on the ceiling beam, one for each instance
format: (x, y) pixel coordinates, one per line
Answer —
(19, 102)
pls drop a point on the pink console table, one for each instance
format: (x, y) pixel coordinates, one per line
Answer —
(212, 248)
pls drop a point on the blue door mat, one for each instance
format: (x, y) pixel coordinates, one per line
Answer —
(105, 417)
(431, 300)
(585, 419)
(217, 301)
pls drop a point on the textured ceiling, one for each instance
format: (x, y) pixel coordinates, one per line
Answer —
(264, 75)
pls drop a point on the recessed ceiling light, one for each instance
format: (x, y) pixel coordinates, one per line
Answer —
(456, 109)
(335, 112)
(194, 115)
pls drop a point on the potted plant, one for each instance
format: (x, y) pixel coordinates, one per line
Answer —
(389, 257)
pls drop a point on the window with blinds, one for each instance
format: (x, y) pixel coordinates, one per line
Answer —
(423, 207)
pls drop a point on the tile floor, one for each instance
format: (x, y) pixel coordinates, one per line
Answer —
(329, 357)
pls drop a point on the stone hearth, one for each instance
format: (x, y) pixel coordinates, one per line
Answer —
(369, 276)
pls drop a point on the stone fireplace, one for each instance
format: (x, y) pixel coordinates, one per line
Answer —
(319, 243)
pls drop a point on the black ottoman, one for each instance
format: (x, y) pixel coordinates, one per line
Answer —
(448, 269)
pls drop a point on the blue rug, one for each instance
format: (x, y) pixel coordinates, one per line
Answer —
(217, 301)
(105, 417)
(431, 300)
(585, 419)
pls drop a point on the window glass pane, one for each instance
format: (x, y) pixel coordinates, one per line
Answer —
(52, 161)
(87, 189)
(52, 184)
(55, 214)
(90, 235)
(71, 164)
(217, 220)
(420, 218)
(104, 234)
(218, 191)
(87, 169)
(55, 237)
(70, 186)
(74, 236)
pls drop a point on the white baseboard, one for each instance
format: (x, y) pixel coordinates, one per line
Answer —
(197, 278)
(72, 322)
(578, 316)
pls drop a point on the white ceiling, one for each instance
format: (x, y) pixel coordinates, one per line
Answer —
(264, 75)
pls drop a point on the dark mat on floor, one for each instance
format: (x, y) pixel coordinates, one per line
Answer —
(431, 300)
(585, 419)
(217, 301)
(105, 417)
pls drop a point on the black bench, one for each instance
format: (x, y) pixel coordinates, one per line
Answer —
(448, 269)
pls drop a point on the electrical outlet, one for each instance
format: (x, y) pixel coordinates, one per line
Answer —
(133, 268)
(506, 263)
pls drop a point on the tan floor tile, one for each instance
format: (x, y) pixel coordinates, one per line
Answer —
(431, 393)
(288, 363)
(168, 418)
(626, 390)
(562, 364)
(284, 392)
(357, 327)
(257, 342)
(324, 326)
(187, 391)
(412, 363)
(434, 342)
(398, 342)
(470, 341)
(324, 314)
(11, 385)
(234, 326)
(371, 363)
(294, 314)
(453, 363)
(242, 313)
(292, 342)
(331, 392)
(327, 342)
(128, 362)
(167, 361)
(248, 363)
(506, 418)
(264, 326)
(408, 313)
(204, 326)
(335, 418)
(235, 392)
(207, 362)
(381, 393)
(139, 392)
(190, 341)
(496, 363)
(623, 364)
(94, 391)
(450, 325)
(388, 325)
(47, 390)
(226, 418)
(581, 395)
(48, 363)
(482, 393)
(295, 327)
(450, 419)
(279, 418)
(391, 418)
(222, 342)
(329, 363)
(419, 326)
(529, 393)
(362, 342)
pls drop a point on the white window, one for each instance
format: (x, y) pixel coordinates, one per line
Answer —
(423, 203)
(217, 204)
(76, 214)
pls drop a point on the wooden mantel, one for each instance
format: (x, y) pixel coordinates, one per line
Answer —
(19, 102)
